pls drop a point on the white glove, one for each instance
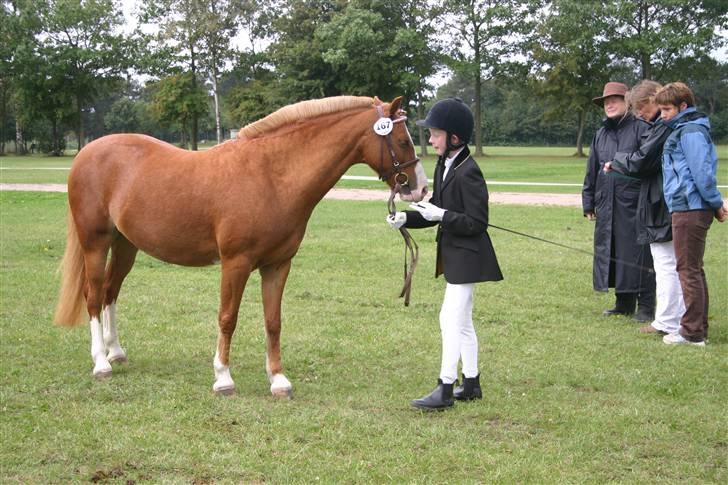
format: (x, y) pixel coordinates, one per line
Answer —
(429, 211)
(397, 219)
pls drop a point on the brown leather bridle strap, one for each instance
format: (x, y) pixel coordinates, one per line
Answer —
(397, 167)
(410, 249)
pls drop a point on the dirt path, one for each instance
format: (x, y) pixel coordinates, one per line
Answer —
(526, 198)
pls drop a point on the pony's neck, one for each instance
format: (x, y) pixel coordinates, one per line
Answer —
(324, 149)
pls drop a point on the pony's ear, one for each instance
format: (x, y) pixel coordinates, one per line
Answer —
(377, 101)
(395, 107)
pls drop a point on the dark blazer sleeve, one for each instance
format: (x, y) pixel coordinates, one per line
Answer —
(416, 221)
(647, 160)
(474, 219)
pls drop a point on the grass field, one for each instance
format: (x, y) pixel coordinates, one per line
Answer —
(570, 396)
(502, 164)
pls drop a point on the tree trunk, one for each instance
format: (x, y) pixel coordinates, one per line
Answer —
(421, 129)
(3, 114)
(79, 129)
(216, 98)
(19, 144)
(580, 134)
(193, 121)
(478, 124)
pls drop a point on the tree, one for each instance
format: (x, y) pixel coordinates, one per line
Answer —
(655, 34)
(490, 34)
(81, 40)
(179, 99)
(177, 46)
(572, 59)
(217, 25)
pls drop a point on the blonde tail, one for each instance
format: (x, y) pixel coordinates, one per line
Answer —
(71, 300)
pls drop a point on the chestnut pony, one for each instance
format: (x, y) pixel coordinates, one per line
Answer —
(244, 203)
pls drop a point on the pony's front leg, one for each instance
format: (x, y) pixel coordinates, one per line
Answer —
(234, 277)
(111, 338)
(273, 282)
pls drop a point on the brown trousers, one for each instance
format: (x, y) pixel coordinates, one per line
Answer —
(689, 232)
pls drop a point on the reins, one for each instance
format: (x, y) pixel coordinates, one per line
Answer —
(411, 250)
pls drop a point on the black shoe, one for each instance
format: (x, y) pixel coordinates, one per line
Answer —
(469, 390)
(617, 312)
(645, 315)
(439, 399)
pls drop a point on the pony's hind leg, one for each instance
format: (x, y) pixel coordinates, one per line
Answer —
(235, 275)
(123, 254)
(95, 261)
(273, 282)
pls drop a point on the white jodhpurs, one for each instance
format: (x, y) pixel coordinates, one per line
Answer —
(670, 304)
(458, 334)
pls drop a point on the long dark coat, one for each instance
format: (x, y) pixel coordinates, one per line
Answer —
(653, 217)
(465, 253)
(614, 199)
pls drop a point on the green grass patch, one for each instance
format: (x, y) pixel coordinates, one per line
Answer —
(569, 395)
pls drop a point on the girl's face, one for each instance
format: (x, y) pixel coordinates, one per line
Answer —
(669, 111)
(615, 106)
(438, 140)
(648, 111)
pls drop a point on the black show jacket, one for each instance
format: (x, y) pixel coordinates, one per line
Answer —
(465, 253)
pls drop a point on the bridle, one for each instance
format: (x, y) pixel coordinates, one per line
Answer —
(383, 127)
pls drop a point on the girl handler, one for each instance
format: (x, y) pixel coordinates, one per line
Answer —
(465, 255)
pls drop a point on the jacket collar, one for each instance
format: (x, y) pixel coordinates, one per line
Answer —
(462, 156)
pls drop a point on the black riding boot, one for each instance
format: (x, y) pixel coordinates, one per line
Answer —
(469, 390)
(624, 305)
(645, 306)
(439, 399)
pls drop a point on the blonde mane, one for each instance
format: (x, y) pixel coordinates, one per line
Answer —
(301, 111)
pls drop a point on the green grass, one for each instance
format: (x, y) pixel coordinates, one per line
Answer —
(501, 164)
(569, 395)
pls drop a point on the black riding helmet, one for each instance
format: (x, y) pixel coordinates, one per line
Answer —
(453, 116)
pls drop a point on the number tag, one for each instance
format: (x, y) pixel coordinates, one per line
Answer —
(383, 126)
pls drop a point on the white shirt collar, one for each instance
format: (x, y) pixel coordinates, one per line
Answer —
(452, 157)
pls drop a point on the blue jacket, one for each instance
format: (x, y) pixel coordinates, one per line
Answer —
(689, 164)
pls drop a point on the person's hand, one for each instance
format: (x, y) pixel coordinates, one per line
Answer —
(721, 213)
(591, 216)
(397, 219)
(429, 211)
(607, 167)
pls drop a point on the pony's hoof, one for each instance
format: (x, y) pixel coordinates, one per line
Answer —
(102, 374)
(118, 359)
(283, 393)
(224, 390)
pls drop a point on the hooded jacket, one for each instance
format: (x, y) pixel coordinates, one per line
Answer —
(689, 164)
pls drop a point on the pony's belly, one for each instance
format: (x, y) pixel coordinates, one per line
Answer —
(184, 259)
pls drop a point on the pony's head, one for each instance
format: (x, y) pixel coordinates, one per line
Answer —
(388, 150)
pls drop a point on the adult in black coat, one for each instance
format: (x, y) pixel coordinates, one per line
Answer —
(465, 254)
(619, 261)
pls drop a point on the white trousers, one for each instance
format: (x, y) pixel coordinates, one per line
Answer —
(458, 334)
(670, 304)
